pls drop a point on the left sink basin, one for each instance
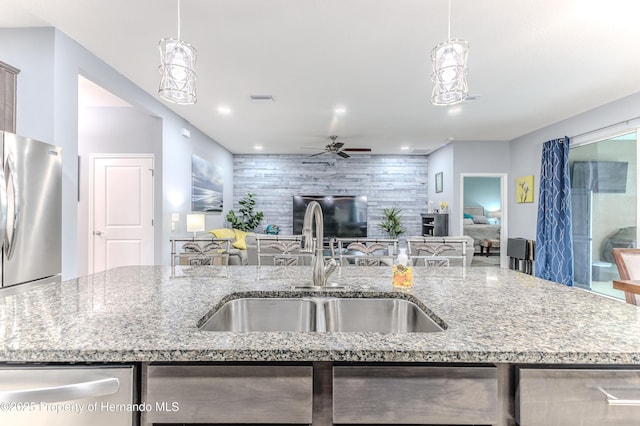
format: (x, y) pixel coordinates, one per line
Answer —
(264, 314)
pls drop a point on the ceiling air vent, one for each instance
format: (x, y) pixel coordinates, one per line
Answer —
(261, 98)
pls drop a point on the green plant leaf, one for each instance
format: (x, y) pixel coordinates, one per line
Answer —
(248, 219)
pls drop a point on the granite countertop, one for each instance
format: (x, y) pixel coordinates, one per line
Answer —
(145, 314)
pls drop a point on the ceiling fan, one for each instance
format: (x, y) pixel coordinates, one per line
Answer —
(338, 148)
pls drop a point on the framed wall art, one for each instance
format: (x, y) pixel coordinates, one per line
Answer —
(206, 186)
(439, 182)
(524, 189)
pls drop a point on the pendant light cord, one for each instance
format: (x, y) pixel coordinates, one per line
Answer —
(179, 18)
(449, 26)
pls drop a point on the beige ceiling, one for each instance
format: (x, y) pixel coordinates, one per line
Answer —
(532, 63)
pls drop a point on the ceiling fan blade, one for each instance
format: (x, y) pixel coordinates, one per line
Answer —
(315, 155)
(343, 154)
(357, 149)
(338, 145)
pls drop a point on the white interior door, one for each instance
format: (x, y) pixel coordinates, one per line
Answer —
(121, 220)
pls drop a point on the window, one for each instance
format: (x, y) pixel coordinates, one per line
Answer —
(604, 207)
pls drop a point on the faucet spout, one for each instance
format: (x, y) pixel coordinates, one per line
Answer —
(312, 214)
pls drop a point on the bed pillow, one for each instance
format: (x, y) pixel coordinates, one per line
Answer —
(466, 221)
(480, 220)
(467, 216)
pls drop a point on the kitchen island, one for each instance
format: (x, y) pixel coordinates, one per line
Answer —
(149, 315)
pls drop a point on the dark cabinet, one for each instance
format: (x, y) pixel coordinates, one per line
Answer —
(435, 224)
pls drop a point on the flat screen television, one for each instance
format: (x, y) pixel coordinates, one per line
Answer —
(344, 216)
(600, 176)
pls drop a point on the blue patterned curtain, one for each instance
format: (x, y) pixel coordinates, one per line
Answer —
(554, 241)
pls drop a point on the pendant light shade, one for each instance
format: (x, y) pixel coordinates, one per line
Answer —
(178, 78)
(450, 70)
(177, 70)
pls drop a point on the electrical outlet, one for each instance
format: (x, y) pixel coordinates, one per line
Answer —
(175, 217)
(173, 226)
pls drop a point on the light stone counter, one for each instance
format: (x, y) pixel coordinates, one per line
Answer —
(144, 314)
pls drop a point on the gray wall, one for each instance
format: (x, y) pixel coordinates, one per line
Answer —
(526, 152)
(463, 157)
(115, 130)
(386, 181)
(47, 109)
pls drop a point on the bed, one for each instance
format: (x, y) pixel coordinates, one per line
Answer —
(478, 227)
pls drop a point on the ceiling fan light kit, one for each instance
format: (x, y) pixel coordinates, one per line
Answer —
(450, 70)
(177, 70)
(337, 148)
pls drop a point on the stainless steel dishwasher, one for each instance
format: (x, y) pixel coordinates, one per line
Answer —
(69, 396)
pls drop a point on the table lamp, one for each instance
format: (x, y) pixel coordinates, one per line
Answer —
(496, 215)
(195, 223)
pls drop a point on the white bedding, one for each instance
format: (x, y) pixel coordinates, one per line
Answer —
(478, 231)
(482, 232)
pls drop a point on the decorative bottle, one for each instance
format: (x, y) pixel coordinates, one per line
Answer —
(402, 273)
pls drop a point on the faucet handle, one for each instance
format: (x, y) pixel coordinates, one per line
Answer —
(330, 266)
(306, 243)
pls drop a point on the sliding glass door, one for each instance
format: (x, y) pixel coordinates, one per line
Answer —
(604, 204)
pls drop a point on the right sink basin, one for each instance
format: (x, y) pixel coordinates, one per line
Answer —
(382, 315)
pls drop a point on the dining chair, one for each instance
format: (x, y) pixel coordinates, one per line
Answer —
(628, 263)
(365, 251)
(433, 251)
(281, 250)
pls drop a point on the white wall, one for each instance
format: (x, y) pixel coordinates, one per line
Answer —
(526, 152)
(48, 110)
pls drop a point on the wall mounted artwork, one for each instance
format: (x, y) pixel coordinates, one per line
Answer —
(206, 186)
(439, 182)
(524, 189)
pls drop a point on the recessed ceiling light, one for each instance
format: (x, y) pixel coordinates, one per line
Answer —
(224, 110)
(257, 147)
(340, 110)
(455, 110)
(405, 147)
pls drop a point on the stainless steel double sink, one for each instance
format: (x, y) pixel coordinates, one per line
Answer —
(321, 314)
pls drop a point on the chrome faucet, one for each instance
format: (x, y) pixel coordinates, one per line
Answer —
(320, 272)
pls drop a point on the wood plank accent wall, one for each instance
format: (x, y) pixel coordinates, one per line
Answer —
(386, 180)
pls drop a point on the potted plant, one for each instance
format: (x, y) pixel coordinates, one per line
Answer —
(392, 222)
(248, 219)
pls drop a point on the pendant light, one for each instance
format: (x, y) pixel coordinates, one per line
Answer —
(178, 77)
(450, 70)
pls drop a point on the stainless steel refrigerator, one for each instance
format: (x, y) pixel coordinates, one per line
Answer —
(30, 210)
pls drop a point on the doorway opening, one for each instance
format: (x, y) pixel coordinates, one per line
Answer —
(484, 217)
(108, 126)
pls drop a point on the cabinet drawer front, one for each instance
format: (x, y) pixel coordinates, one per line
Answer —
(231, 394)
(415, 395)
(578, 397)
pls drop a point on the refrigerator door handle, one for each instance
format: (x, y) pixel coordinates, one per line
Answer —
(89, 389)
(9, 240)
(3, 206)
